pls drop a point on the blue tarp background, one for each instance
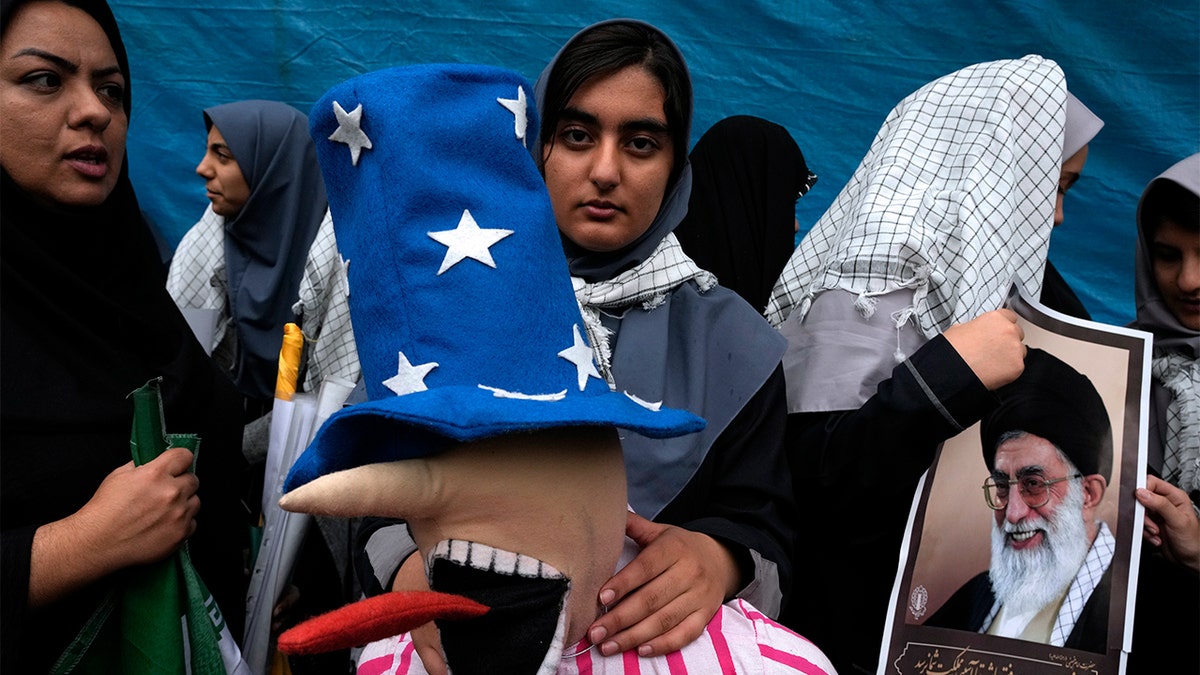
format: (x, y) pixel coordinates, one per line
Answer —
(828, 71)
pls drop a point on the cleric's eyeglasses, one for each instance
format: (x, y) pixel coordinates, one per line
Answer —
(1035, 490)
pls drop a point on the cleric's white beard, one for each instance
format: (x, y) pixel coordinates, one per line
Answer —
(1030, 580)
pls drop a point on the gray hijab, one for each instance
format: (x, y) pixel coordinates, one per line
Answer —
(708, 352)
(266, 244)
(1174, 434)
(1081, 127)
(1152, 313)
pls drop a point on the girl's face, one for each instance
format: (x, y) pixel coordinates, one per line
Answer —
(609, 160)
(224, 181)
(62, 120)
(1175, 255)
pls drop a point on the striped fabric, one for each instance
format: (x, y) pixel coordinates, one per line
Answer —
(738, 639)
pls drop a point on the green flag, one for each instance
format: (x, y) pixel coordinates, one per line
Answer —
(160, 618)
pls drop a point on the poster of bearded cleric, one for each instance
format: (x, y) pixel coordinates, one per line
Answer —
(1020, 554)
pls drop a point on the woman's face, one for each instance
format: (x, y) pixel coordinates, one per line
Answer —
(609, 160)
(1072, 169)
(1175, 255)
(223, 178)
(62, 124)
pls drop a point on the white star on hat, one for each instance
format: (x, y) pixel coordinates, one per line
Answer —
(468, 240)
(409, 378)
(517, 107)
(581, 356)
(350, 131)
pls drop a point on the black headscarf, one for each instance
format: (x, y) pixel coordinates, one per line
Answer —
(85, 319)
(747, 174)
(1058, 403)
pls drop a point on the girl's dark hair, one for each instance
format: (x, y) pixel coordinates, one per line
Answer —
(1168, 200)
(611, 47)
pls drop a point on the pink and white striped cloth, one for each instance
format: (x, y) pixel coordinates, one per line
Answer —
(738, 639)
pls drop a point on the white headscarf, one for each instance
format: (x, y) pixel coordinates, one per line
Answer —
(953, 203)
(1081, 127)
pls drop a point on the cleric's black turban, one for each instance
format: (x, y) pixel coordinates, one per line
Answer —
(1053, 400)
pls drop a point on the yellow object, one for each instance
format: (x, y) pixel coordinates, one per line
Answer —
(289, 362)
(280, 665)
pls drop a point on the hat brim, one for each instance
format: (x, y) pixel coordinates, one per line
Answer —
(427, 422)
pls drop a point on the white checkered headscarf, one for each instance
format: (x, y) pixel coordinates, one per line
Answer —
(197, 279)
(648, 285)
(323, 309)
(955, 200)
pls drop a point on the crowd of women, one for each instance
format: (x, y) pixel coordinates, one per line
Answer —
(815, 414)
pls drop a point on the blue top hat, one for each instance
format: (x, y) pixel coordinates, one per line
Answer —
(466, 322)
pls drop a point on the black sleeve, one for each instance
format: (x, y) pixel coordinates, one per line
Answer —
(15, 550)
(1166, 619)
(855, 474)
(742, 496)
(884, 446)
(1057, 294)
